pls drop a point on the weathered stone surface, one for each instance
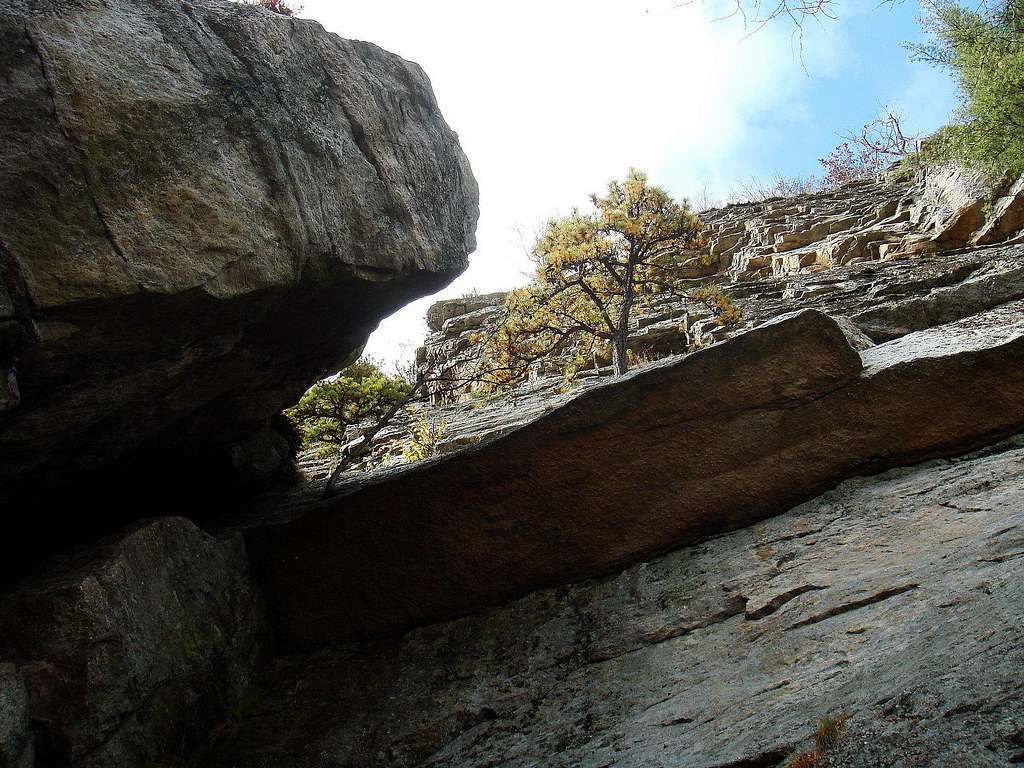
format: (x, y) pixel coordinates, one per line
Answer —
(858, 266)
(743, 430)
(204, 207)
(1006, 217)
(994, 283)
(15, 739)
(132, 649)
(441, 311)
(895, 599)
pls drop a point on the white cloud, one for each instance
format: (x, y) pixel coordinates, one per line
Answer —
(551, 98)
(928, 101)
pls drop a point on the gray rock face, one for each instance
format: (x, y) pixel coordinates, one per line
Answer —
(204, 207)
(682, 449)
(442, 311)
(895, 599)
(130, 651)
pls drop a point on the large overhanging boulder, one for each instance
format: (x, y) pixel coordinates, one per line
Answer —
(204, 207)
(684, 449)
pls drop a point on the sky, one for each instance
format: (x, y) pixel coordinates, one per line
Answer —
(553, 98)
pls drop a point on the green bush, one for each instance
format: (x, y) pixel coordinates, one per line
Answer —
(361, 392)
(984, 48)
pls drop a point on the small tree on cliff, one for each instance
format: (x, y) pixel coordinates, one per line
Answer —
(359, 393)
(593, 269)
(362, 395)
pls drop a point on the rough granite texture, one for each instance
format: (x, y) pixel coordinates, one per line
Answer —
(130, 651)
(896, 599)
(204, 207)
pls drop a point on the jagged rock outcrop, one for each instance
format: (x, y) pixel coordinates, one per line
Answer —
(682, 449)
(895, 599)
(441, 312)
(128, 653)
(204, 207)
(844, 251)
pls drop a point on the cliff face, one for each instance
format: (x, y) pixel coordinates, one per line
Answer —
(895, 599)
(650, 571)
(917, 263)
(844, 251)
(204, 207)
(687, 595)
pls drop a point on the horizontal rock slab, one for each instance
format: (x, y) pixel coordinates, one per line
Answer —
(997, 282)
(204, 208)
(126, 653)
(440, 312)
(895, 599)
(681, 450)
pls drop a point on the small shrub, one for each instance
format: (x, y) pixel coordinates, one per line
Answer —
(804, 760)
(720, 303)
(830, 732)
(845, 164)
(360, 392)
(426, 438)
(757, 191)
(865, 154)
(827, 736)
(281, 7)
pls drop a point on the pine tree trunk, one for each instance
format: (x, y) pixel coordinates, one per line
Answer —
(620, 354)
(620, 342)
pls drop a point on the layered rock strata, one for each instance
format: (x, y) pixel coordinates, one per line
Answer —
(894, 599)
(708, 442)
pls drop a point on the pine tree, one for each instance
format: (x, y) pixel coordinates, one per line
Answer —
(594, 269)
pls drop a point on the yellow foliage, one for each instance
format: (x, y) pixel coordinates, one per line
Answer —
(720, 303)
(826, 738)
(426, 437)
(804, 759)
(830, 732)
(592, 269)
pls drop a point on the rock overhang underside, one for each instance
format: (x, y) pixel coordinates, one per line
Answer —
(204, 208)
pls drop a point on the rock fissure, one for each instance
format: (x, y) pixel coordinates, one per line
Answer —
(771, 606)
(769, 758)
(87, 181)
(854, 605)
